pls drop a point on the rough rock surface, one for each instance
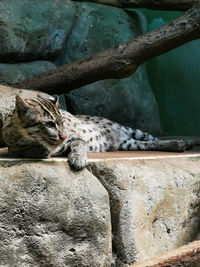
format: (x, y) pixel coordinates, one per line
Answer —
(51, 216)
(12, 73)
(34, 29)
(128, 101)
(184, 256)
(155, 204)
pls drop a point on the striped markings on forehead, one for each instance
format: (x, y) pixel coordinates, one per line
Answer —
(47, 106)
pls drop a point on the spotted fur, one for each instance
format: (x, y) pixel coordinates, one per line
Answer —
(37, 129)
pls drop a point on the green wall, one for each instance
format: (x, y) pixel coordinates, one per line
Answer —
(175, 80)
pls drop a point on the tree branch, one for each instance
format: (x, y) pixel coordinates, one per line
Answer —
(120, 61)
(178, 5)
(188, 255)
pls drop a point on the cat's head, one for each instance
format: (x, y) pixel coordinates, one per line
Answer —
(35, 128)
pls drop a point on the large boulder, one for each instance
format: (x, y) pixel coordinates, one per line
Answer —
(32, 30)
(12, 73)
(155, 204)
(51, 216)
(128, 101)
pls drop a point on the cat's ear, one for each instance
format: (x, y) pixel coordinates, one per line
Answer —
(21, 105)
(55, 100)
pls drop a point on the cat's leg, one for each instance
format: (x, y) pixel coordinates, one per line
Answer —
(154, 145)
(165, 145)
(75, 149)
(143, 136)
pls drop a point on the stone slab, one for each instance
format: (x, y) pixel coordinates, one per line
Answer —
(154, 200)
(51, 216)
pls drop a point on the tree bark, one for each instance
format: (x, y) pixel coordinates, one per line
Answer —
(188, 255)
(178, 5)
(120, 61)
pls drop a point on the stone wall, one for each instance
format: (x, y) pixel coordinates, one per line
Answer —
(154, 204)
(52, 216)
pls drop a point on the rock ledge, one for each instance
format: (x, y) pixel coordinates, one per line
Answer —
(51, 216)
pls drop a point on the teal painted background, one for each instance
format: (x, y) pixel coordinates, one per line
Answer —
(175, 80)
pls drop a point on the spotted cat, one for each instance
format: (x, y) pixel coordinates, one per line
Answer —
(38, 129)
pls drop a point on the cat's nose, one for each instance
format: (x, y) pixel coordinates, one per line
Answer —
(63, 137)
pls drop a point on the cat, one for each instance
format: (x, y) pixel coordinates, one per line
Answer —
(36, 128)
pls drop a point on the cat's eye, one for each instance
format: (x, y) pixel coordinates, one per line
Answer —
(50, 124)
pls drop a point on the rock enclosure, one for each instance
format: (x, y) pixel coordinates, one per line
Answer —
(50, 216)
(114, 213)
(37, 36)
(154, 204)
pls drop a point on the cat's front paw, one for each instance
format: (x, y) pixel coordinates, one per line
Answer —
(77, 161)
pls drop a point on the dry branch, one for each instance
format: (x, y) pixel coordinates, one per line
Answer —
(178, 5)
(120, 61)
(188, 255)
